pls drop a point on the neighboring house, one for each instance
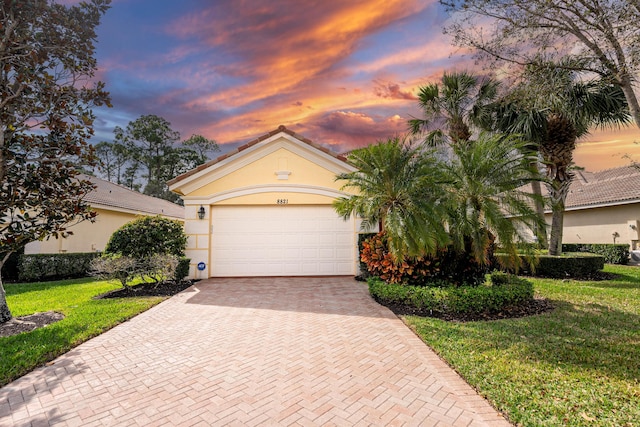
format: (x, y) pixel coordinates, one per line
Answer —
(115, 206)
(267, 210)
(603, 207)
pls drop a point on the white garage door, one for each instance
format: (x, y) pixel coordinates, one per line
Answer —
(281, 241)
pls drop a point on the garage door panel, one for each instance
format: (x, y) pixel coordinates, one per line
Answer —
(281, 240)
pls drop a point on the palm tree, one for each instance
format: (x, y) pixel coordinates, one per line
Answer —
(485, 197)
(554, 109)
(452, 108)
(397, 186)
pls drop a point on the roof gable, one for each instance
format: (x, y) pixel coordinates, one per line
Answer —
(252, 152)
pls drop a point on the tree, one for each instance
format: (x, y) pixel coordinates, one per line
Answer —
(601, 35)
(150, 141)
(112, 160)
(46, 96)
(485, 195)
(202, 146)
(397, 187)
(451, 109)
(553, 108)
(146, 155)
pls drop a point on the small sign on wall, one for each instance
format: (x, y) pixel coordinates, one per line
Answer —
(201, 266)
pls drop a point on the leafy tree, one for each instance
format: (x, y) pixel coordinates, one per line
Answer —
(602, 35)
(201, 146)
(397, 187)
(553, 108)
(46, 96)
(452, 108)
(146, 155)
(150, 141)
(112, 160)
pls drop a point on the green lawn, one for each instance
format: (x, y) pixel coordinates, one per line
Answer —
(578, 365)
(84, 318)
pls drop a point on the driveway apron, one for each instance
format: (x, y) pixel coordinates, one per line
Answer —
(256, 351)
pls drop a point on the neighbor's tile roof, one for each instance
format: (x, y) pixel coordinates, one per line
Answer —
(611, 186)
(251, 143)
(113, 195)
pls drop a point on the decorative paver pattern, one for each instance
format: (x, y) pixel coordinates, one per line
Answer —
(246, 352)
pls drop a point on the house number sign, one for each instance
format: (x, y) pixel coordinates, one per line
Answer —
(282, 201)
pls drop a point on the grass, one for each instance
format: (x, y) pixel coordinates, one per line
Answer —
(578, 365)
(84, 318)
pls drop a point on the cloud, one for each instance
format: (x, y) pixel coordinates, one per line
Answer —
(391, 90)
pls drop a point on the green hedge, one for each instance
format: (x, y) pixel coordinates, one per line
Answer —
(567, 265)
(182, 270)
(44, 267)
(612, 253)
(504, 291)
(11, 267)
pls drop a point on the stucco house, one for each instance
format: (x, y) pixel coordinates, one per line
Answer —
(265, 209)
(115, 206)
(603, 207)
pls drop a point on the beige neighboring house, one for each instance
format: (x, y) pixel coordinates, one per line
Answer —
(603, 207)
(115, 206)
(267, 210)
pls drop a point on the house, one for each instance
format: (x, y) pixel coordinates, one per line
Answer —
(265, 209)
(115, 206)
(603, 207)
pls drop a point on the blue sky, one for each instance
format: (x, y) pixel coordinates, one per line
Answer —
(342, 73)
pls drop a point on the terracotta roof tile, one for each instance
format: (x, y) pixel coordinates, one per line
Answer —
(113, 195)
(253, 142)
(609, 186)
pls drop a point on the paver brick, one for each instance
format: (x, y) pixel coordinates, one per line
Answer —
(257, 351)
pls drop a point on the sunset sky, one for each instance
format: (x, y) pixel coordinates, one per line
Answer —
(342, 73)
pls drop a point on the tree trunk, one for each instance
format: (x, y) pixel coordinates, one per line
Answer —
(558, 190)
(632, 100)
(541, 234)
(5, 313)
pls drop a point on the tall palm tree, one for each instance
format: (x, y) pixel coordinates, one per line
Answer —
(485, 197)
(453, 107)
(554, 109)
(397, 186)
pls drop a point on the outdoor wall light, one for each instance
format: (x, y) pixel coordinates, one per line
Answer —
(201, 212)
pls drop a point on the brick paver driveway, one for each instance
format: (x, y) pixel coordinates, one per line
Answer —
(263, 351)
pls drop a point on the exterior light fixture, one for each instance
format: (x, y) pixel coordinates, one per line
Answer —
(201, 212)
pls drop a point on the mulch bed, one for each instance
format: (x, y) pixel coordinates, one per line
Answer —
(536, 306)
(17, 325)
(163, 289)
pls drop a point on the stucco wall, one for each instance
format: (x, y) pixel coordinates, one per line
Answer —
(597, 225)
(87, 236)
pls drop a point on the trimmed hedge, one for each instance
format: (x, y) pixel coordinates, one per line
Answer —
(505, 291)
(45, 267)
(11, 267)
(567, 265)
(612, 253)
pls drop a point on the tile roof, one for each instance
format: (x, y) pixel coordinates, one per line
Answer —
(253, 142)
(116, 196)
(611, 186)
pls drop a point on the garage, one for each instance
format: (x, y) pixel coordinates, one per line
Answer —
(266, 209)
(281, 240)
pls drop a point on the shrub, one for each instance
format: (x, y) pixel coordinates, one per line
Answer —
(567, 265)
(55, 266)
(155, 268)
(362, 237)
(148, 235)
(612, 253)
(182, 269)
(447, 266)
(116, 267)
(456, 301)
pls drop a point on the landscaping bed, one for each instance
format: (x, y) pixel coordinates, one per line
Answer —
(163, 289)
